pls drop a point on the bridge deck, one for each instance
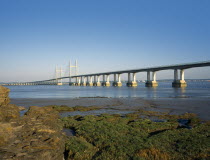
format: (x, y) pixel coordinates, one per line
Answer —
(177, 66)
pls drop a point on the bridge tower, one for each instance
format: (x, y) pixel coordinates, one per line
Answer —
(70, 73)
(58, 74)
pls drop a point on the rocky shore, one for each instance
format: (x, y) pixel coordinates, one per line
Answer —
(146, 133)
(36, 136)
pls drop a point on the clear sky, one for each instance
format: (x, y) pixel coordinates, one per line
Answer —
(103, 35)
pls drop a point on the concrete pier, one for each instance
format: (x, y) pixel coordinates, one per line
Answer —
(153, 82)
(83, 81)
(105, 82)
(131, 83)
(97, 82)
(117, 83)
(78, 80)
(89, 82)
(177, 83)
(72, 83)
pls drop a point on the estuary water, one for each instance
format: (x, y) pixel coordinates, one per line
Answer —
(164, 90)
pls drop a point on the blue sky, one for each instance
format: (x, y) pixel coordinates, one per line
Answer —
(103, 35)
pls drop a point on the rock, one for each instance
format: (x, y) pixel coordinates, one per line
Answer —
(37, 135)
(4, 96)
(9, 112)
(21, 108)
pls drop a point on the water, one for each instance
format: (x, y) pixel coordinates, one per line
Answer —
(164, 90)
(95, 112)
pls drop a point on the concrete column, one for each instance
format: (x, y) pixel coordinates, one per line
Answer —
(148, 75)
(175, 75)
(119, 78)
(117, 83)
(79, 81)
(154, 76)
(90, 83)
(115, 78)
(177, 83)
(103, 82)
(103, 78)
(106, 81)
(95, 79)
(83, 83)
(98, 78)
(107, 78)
(129, 77)
(132, 83)
(72, 83)
(134, 77)
(182, 74)
(59, 83)
(153, 82)
(97, 82)
(76, 81)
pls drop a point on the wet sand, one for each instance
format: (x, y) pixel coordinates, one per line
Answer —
(200, 106)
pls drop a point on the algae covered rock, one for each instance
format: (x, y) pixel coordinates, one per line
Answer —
(9, 112)
(37, 135)
(4, 96)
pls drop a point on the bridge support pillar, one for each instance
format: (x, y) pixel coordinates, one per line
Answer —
(71, 83)
(77, 81)
(153, 82)
(132, 83)
(90, 83)
(105, 82)
(117, 83)
(83, 83)
(177, 83)
(97, 82)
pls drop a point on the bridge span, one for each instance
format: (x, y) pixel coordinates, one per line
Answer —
(94, 79)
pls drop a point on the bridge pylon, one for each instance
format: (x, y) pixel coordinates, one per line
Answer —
(70, 73)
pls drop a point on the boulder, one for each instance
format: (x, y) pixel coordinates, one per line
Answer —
(4, 96)
(9, 113)
(37, 135)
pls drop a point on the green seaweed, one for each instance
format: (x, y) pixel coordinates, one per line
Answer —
(65, 108)
(130, 137)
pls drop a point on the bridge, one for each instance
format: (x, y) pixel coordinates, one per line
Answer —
(94, 79)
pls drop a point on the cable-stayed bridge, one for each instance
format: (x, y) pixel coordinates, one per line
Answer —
(94, 79)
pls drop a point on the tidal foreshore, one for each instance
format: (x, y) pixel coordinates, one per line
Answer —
(103, 128)
(199, 106)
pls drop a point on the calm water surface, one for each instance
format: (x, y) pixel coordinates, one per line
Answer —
(164, 90)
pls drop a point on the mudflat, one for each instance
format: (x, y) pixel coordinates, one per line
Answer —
(199, 106)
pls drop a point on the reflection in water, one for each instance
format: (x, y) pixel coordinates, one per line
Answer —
(164, 90)
(183, 90)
